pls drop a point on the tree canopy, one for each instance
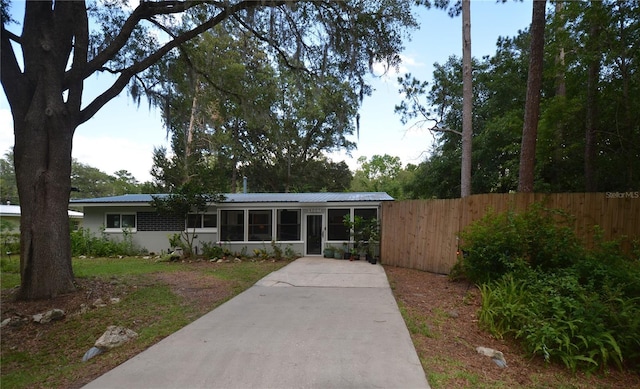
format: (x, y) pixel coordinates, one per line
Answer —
(62, 43)
(586, 138)
(236, 113)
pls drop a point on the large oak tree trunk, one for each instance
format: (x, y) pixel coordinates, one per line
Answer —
(45, 119)
(43, 171)
(532, 105)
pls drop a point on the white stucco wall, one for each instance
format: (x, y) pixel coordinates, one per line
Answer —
(153, 241)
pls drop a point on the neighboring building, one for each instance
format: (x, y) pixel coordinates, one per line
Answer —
(305, 221)
(11, 214)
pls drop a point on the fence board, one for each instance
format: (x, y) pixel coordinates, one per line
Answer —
(422, 234)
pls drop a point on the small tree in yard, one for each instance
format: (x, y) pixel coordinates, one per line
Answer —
(188, 199)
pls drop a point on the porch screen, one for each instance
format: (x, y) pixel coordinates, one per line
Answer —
(260, 225)
(231, 225)
(335, 225)
(288, 224)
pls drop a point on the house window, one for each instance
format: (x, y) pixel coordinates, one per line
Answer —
(121, 221)
(260, 225)
(202, 221)
(366, 213)
(288, 224)
(335, 224)
(232, 225)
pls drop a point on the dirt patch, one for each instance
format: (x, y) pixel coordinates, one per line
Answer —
(22, 332)
(200, 290)
(448, 350)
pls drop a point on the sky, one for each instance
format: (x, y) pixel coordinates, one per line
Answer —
(122, 135)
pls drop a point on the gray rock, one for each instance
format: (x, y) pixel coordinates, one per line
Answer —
(115, 336)
(5, 322)
(54, 314)
(495, 355)
(453, 313)
(92, 352)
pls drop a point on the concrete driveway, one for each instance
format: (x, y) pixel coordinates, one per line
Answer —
(316, 323)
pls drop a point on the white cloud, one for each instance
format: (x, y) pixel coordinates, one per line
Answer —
(387, 73)
(111, 154)
(108, 154)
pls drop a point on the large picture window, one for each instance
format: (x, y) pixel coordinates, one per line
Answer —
(202, 221)
(231, 225)
(335, 225)
(121, 221)
(288, 224)
(260, 225)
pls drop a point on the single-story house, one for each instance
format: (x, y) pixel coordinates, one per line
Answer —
(306, 222)
(11, 214)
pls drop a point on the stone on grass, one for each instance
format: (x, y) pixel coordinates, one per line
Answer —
(115, 336)
(54, 314)
(92, 352)
(99, 303)
(495, 355)
(453, 313)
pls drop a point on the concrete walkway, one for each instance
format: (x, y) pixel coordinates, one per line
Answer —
(316, 323)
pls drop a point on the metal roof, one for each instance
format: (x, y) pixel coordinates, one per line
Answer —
(253, 198)
(14, 210)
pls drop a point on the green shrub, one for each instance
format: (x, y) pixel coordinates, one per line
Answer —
(9, 238)
(84, 242)
(212, 250)
(290, 253)
(509, 242)
(277, 251)
(564, 302)
(554, 317)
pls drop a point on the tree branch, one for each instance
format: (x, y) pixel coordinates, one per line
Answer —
(187, 58)
(80, 50)
(127, 73)
(11, 36)
(11, 76)
(145, 11)
(271, 43)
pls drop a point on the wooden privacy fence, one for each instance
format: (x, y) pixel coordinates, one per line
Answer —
(422, 234)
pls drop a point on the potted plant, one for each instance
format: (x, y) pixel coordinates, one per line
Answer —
(365, 235)
(354, 254)
(338, 253)
(328, 251)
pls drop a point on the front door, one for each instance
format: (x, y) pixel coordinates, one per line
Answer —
(314, 235)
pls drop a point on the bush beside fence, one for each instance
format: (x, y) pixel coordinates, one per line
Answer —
(423, 234)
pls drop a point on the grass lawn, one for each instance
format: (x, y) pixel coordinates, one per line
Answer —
(155, 300)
